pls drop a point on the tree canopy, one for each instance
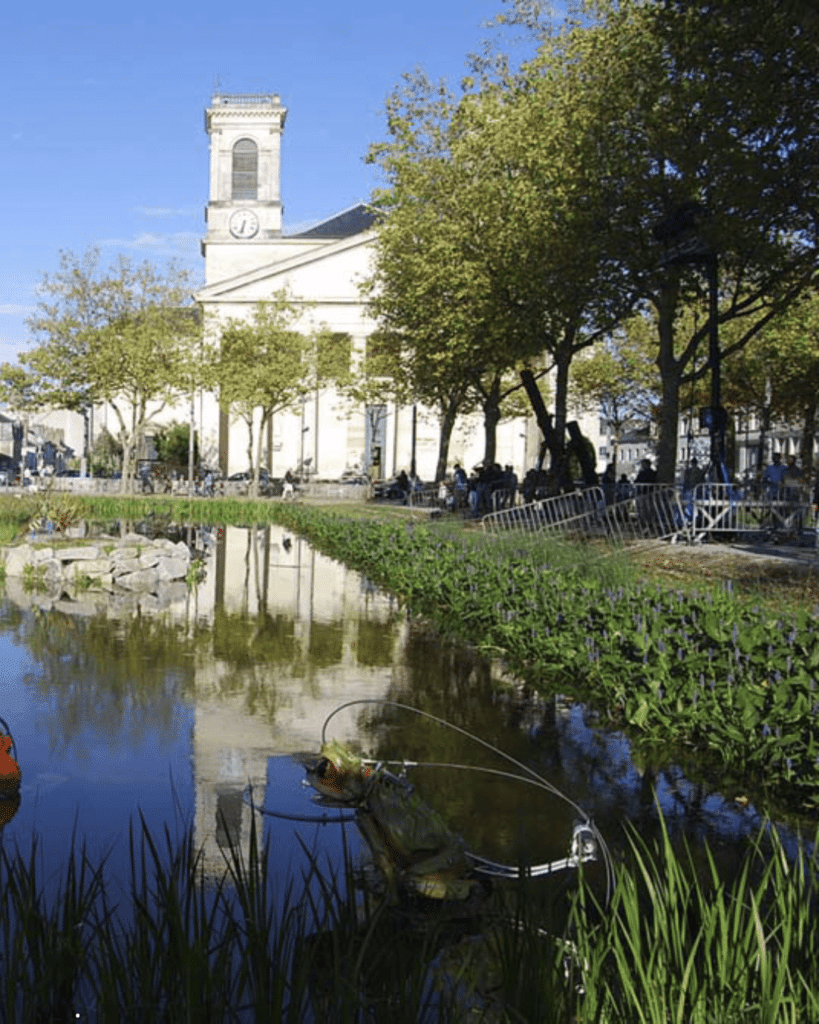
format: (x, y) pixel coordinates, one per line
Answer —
(262, 366)
(520, 217)
(126, 334)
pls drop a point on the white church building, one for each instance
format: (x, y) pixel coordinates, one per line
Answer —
(249, 256)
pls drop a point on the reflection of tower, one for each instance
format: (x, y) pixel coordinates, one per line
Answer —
(230, 749)
(295, 641)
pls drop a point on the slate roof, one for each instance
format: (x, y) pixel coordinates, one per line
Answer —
(342, 225)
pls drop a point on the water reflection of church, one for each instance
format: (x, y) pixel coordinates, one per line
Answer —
(293, 635)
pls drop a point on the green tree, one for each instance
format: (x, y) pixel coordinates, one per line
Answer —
(172, 444)
(263, 366)
(618, 377)
(106, 454)
(715, 104)
(427, 288)
(629, 114)
(776, 376)
(489, 251)
(124, 335)
(18, 388)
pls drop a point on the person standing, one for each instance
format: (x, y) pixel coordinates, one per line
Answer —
(693, 475)
(792, 480)
(647, 474)
(288, 490)
(461, 485)
(774, 476)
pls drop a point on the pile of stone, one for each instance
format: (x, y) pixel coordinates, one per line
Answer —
(131, 562)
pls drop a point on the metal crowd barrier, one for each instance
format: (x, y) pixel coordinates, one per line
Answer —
(653, 512)
(580, 510)
(662, 512)
(725, 508)
(425, 496)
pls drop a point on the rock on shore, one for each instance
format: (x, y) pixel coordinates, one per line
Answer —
(131, 563)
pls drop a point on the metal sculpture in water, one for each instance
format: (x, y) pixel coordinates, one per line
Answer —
(416, 852)
(413, 847)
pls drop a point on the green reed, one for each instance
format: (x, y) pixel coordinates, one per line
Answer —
(679, 942)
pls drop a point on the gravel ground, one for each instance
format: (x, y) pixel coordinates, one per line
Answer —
(769, 570)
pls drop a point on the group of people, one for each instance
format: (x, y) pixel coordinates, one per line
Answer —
(620, 488)
(491, 488)
(782, 480)
(486, 489)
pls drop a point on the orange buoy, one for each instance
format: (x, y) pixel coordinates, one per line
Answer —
(10, 774)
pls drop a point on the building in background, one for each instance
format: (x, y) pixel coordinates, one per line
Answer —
(249, 257)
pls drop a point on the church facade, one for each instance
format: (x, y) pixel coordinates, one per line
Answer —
(249, 257)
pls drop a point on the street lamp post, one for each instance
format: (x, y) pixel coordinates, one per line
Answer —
(683, 245)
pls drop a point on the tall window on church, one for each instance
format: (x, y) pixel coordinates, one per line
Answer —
(245, 170)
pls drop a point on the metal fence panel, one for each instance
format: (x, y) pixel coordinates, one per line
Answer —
(663, 512)
(654, 511)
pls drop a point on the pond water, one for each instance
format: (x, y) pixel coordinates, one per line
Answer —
(174, 712)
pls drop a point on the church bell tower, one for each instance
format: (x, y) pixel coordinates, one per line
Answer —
(244, 207)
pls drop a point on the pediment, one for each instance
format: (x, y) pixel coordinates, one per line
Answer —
(332, 269)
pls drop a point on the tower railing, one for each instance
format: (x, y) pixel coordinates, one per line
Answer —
(246, 99)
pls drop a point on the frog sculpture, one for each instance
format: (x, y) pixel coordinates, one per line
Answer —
(412, 845)
(10, 778)
(9, 768)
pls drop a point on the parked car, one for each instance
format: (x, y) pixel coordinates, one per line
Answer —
(268, 486)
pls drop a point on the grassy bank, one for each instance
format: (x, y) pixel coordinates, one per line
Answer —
(672, 946)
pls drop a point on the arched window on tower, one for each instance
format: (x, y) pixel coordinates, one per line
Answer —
(245, 170)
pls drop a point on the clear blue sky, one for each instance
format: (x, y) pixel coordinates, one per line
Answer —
(101, 115)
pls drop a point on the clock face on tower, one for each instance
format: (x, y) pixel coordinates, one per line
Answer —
(244, 224)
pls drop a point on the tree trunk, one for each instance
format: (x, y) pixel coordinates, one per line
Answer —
(559, 465)
(126, 451)
(808, 431)
(448, 415)
(670, 372)
(668, 424)
(764, 428)
(129, 446)
(253, 482)
(491, 418)
(125, 482)
(257, 469)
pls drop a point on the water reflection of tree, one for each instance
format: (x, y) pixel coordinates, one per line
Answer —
(498, 817)
(104, 677)
(376, 644)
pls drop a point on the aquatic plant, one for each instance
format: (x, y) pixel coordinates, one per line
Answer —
(699, 671)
